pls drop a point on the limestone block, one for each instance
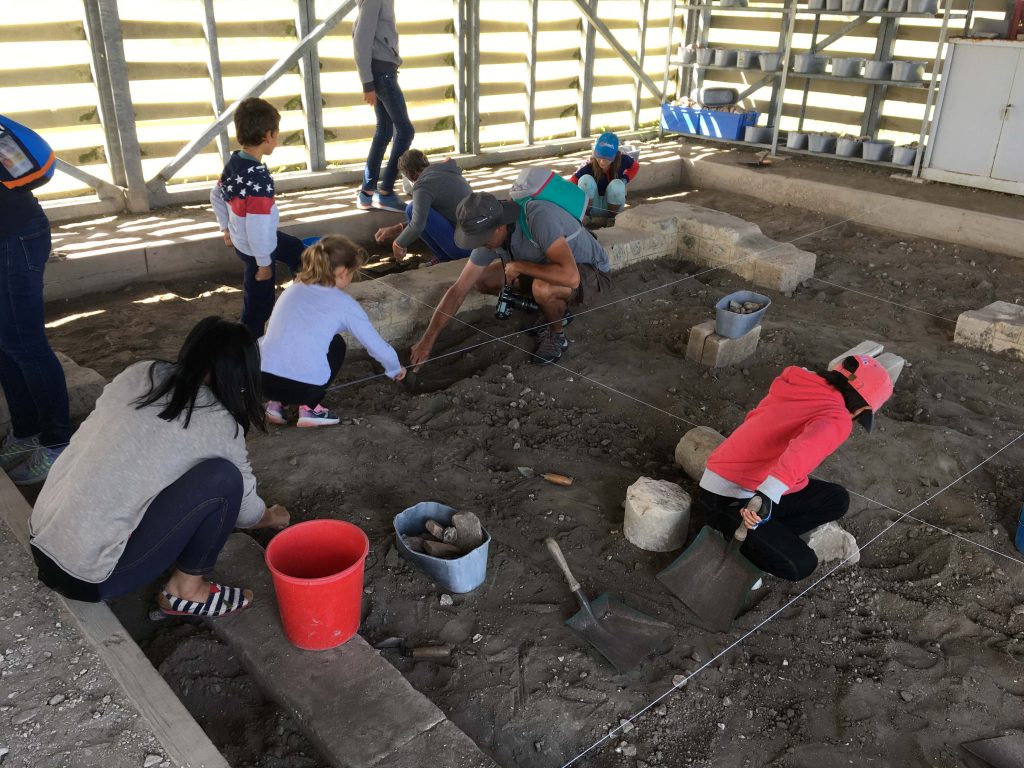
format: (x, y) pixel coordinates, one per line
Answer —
(657, 515)
(714, 351)
(872, 348)
(783, 268)
(999, 327)
(831, 542)
(84, 387)
(627, 246)
(893, 364)
(694, 448)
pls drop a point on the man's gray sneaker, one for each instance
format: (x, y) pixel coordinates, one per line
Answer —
(16, 450)
(550, 347)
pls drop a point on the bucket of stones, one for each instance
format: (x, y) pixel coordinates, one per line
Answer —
(739, 313)
(748, 59)
(809, 63)
(822, 143)
(770, 62)
(879, 151)
(451, 548)
(846, 67)
(908, 71)
(904, 155)
(758, 134)
(796, 140)
(847, 146)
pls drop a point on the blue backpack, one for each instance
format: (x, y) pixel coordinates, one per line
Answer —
(26, 160)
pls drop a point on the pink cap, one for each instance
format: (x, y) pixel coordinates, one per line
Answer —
(871, 381)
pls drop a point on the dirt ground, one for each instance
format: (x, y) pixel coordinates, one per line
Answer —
(893, 662)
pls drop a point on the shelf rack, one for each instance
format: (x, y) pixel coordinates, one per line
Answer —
(698, 23)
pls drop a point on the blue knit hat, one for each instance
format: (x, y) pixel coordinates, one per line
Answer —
(607, 146)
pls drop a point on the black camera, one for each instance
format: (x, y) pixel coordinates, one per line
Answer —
(509, 300)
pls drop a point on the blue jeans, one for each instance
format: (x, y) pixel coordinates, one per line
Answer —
(392, 121)
(258, 295)
(185, 525)
(30, 374)
(614, 195)
(439, 235)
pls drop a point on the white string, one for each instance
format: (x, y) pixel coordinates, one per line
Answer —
(757, 627)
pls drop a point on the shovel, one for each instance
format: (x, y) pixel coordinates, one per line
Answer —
(711, 577)
(1000, 752)
(621, 634)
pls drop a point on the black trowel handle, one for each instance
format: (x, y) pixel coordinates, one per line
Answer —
(556, 553)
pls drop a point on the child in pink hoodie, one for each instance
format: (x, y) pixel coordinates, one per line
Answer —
(803, 419)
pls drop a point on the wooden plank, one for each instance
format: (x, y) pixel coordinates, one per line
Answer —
(179, 734)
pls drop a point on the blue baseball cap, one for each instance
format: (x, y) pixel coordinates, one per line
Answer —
(607, 146)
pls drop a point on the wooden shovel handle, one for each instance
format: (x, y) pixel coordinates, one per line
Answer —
(556, 553)
(557, 479)
(754, 505)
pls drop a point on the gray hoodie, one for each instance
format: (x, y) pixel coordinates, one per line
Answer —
(440, 187)
(375, 38)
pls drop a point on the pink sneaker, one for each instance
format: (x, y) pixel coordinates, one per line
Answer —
(316, 417)
(275, 412)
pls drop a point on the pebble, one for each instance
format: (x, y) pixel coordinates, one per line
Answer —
(477, 637)
(679, 681)
(1019, 609)
(152, 760)
(906, 695)
(56, 699)
(661, 710)
(4, 751)
(628, 750)
(625, 725)
(446, 600)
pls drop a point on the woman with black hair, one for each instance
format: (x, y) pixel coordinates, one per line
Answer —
(803, 419)
(158, 476)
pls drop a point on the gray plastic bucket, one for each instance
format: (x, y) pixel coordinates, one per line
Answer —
(853, 6)
(732, 325)
(904, 155)
(758, 134)
(908, 71)
(898, 6)
(462, 574)
(770, 62)
(834, 5)
(847, 67)
(876, 5)
(880, 151)
(687, 54)
(819, 142)
(809, 63)
(817, 5)
(849, 147)
(725, 57)
(878, 70)
(923, 6)
(796, 140)
(747, 59)
(705, 56)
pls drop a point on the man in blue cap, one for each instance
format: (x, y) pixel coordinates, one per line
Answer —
(604, 177)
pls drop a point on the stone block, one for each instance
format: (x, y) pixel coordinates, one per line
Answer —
(657, 515)
(783, 268)
(693, 450)
(872, 348)
(999, 327)
(84, 387)
(831, 542)
(627, 246)
(893, 364)
(714, 351)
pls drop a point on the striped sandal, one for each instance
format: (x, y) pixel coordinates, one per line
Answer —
(221, 602)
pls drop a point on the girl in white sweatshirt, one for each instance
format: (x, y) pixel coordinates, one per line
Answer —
(302, 349)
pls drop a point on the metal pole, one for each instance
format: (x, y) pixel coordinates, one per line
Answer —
(104, 189)
(458, 31)
(787, 50)
(312, 101)
(283, 65)
(213, 66)
(617, 47)
(584, 96)
(473, 76)
(785, 42)
(807, 83)
(105, 105)
(668, 60)
(926, 118)
(876, 95)
(531, 82)
(117, 68)
(641, 55)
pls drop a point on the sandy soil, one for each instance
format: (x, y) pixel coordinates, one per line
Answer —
(890, 663)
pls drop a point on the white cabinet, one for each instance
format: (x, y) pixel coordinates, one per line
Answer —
(977, 136)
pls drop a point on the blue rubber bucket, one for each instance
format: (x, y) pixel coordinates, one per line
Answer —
(1019, 541)
(308, 241)
(460, 574)
(733, 325)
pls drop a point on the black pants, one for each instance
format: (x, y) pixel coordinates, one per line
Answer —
(186, 525)
(291, 392)
(776, 547)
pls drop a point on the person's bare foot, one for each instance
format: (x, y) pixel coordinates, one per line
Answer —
(275, 516)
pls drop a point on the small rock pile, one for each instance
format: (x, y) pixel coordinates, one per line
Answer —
(745, 308)
(448, 542)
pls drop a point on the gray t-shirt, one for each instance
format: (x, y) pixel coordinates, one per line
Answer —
(547, 223)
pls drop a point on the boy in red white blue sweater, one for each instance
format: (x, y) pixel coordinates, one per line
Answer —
(803, 419)
(243, 201)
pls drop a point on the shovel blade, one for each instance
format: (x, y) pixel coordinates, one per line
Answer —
(621, 634)
(712, 579)
(1000, 752)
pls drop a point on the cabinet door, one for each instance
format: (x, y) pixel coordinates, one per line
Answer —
(1009, 162)
(969, 127)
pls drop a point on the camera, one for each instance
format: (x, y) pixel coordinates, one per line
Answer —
(509, 300)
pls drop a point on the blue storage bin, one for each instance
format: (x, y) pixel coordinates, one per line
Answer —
(1019, 541)
(726, 125)
(308, 241)
(461, 574)
(732, 325)
(680, 119)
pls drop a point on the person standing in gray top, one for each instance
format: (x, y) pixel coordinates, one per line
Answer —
(437, 190)
(561, 264)
(375, 45)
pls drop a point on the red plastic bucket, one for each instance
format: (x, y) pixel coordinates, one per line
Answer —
(317, 568)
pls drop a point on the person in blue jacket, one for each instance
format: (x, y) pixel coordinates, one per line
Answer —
(604, 177)
(30, 374)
